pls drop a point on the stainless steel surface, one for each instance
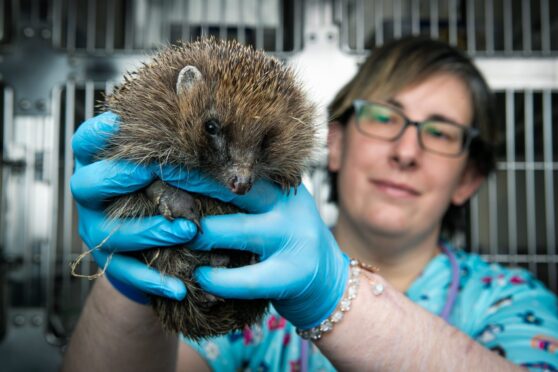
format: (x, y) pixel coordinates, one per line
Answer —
(58, 56)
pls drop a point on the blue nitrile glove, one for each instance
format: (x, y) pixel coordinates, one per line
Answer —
(92, 184)
(302, 269)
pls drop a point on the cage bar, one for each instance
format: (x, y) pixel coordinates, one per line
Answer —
(474, 224)
(415, 17)
(110, 26)
(511, 182)
(471, 34)
(204, 30)
(2, 19)
(378, 21)
(489, 25)
(71, 29)
(87, 265)
(222, 17)
(91, 25)
(360, 25)
(545, 26)
(493, 213)
(7, 139)
(259, 26)
(129, 26)
(508, 30)
(526, 25)
(530, 178)
(550, 217)
(297, 25)
(67, 213)
(241, 30)
(434, 19)
(57, 20)
(279, 32)
(452, 20)
(185, 22)
(24, 125)
(397, 19)
(50, 295)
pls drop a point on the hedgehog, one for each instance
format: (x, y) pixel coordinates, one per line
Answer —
(232, 112)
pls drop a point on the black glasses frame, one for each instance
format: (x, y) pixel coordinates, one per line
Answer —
(469, 132)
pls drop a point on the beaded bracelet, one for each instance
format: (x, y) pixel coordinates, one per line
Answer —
(350, 294)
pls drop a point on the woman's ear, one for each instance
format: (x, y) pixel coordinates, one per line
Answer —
(470, 182)
(335, 145)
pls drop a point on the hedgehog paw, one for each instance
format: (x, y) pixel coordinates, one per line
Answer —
(174, 203)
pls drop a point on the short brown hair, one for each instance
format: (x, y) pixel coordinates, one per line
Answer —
(410, 60)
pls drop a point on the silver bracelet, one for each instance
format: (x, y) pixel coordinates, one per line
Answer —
(344, 305)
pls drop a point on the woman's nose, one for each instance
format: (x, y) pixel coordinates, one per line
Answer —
(406, 149)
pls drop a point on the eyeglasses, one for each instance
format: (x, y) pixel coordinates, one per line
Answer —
(381, 121)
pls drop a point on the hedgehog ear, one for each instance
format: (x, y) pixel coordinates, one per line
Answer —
(187, 78)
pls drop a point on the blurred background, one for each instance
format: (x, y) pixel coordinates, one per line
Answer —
(58, 58)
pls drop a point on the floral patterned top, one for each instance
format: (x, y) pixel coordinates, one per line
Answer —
(506, 310)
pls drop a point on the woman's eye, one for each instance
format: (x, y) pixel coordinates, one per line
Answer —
(381, 115)
(382, 118)
(212, 127)
(442, 131)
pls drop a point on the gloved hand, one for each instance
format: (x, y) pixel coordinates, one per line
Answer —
(92, 184)
(302, 270)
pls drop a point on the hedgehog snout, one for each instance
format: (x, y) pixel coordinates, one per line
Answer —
(240, 184)
(240, 179)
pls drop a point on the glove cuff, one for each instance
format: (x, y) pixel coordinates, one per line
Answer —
(128, 292)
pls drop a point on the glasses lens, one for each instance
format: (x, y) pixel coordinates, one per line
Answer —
(379, 121)
(444, 138)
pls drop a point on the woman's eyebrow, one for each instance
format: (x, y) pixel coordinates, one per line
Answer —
(436, 117)
(396, 103)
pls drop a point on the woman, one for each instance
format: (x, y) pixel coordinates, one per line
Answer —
(410, 142)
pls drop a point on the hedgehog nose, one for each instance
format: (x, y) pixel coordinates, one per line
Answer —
(240, 184)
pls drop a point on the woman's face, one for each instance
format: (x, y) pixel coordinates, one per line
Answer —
(397, 188)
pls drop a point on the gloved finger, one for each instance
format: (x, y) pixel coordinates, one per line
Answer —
(93, 135)
(267, 279)
(147, 232)
(194, 181)
(261, 198)
(134, 273)
(94, 184)
(239, 231)
(264, 196)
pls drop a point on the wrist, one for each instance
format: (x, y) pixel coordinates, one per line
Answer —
(344, 305)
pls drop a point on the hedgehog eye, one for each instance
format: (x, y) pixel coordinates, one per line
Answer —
(212, 127)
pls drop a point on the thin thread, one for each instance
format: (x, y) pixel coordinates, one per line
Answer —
(100, 272)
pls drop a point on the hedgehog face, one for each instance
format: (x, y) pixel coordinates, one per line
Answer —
(233, 112)
(224, 159)
(219, 152)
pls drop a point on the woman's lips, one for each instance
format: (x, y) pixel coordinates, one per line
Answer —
(396, 189)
